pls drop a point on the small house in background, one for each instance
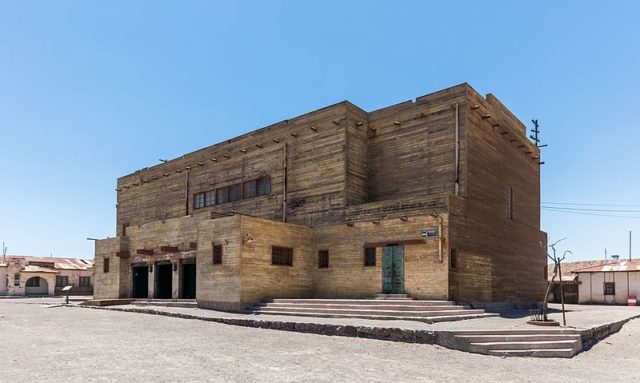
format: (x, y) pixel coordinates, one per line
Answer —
(569, 280)
(611, 283)
(33, 276)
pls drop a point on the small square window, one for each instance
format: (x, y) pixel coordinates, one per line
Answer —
(198, 200)
(62, 281)
(250, 190)
(209, 198)
(84, 282)
(263, 186)
(323, 259)
(282, 256)
(453, 259)
(609, 288)
(235, 192)
(370, 256)
(217, 254)
(223, 195)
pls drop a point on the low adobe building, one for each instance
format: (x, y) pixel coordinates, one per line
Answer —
(611, 283)
(436, 197)
(24, 275)
(569, 279)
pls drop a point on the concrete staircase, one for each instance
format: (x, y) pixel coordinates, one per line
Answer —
(383, 307)
(536, 343)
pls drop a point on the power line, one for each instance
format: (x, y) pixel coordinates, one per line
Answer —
(588, 204)
(601, 210)
(585, 213)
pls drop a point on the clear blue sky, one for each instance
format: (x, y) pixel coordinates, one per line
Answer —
(90, 91)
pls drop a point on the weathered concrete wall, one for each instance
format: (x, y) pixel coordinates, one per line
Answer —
(501, 256)
(412, 146)
(425, 276)
(260, 279)
(218, 285)
(313, 145)
(591, 287)
(114, 283)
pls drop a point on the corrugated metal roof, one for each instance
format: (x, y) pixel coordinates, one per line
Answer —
(633, 265)
(58, 263)
(569, 268)
(38, 269)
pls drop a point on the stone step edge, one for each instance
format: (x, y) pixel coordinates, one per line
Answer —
(399, 313)
(536, 353)
(429, 319)
(355, 305)
(521, 343)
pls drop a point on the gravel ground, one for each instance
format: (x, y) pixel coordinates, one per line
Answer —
(41, 343)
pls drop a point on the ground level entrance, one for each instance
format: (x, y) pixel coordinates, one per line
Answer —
(188, 278)
(164, 280)
(393, 269)
(140, 282)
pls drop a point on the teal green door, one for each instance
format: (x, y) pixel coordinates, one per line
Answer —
(393, 270)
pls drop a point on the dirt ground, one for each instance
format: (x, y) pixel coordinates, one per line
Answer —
(41, 343)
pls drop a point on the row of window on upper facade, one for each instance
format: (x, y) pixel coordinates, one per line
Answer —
(236, 192)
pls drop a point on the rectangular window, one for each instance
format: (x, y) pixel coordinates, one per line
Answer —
(263, 186)
(370, 256)
(209, 198)
(453, 259)
(223, 195)
(62, 281)
(33, 282)
(16, 279)
(250, 190)
(217, 254)
(235, 192)
(609, 288)
(198, 200)
(509, 203)
(323, 259)
(282, 256)
(105, 265)
(84, 282)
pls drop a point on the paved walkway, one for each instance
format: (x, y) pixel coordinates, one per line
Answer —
(578, 316)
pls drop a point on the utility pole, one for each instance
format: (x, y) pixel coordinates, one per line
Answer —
(629, 244)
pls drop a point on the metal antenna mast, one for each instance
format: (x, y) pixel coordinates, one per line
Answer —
(535, 132)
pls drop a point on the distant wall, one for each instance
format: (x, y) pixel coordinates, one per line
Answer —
(591, 287)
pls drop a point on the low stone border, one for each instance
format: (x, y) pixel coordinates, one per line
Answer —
(380, 333)
(446, 339)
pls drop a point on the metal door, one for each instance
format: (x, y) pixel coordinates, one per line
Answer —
(393, 269)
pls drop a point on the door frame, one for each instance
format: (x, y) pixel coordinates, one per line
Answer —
(395, 252)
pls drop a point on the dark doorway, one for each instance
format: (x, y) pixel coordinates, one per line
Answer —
(393, 269)
(140, 282)
(164, 280)
(188, 278)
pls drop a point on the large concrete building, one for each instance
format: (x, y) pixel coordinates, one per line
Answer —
(436, 197)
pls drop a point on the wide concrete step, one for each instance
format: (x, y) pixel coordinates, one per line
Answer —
(397, 307)
(518, 338)
(537, 353)
(516, 332)
(393, 297)
(433, 319)
(529, 345)
(366, 301)
(396, 313)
